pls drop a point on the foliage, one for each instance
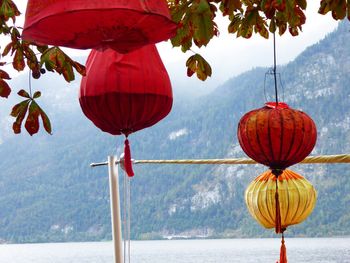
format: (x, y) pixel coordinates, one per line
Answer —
(24, 55)
(196, 26)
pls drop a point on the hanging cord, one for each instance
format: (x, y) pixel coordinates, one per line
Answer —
(274, 68)
(30, 82)
(124, 214)
(129, 216)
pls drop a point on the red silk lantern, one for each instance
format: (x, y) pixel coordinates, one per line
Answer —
(123, 25)
(124, 93)
(277, 135)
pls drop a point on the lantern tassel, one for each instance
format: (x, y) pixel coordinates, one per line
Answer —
(283, 252)
(127, 160)
(278, 223)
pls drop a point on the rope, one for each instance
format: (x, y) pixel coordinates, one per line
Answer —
(340, 158)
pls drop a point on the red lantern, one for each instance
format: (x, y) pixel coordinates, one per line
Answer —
(277, 135)
(122, 94)
(123, 25)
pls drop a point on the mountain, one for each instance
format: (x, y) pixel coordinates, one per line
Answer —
(48, 192)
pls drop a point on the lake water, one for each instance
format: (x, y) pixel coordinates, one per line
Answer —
(320, 250)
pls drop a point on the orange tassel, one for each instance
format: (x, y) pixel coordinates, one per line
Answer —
(127, 160)
(283, 252)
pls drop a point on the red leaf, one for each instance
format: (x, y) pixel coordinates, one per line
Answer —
(4, 75)
(4, 89)
(32, 122)
(7, 49)
(19, 111)
(18, 60)
(23, 93)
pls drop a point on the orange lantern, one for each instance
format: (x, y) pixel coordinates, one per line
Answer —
(276, 135)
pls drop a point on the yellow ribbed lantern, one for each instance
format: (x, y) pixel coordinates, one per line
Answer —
(295, 194)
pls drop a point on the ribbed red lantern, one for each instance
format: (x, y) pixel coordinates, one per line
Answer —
(123, 25)
(277, 136)
(124, 93)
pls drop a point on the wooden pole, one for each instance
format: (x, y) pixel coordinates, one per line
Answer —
(115, 209)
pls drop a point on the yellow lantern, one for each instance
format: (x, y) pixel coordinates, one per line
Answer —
(280, 201)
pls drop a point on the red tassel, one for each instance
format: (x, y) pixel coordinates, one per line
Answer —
(278, 226)
(127, 159)
(283, 252)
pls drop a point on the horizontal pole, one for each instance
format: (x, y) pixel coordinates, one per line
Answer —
(320, 159)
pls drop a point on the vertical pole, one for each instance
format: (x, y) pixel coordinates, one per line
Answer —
(115, 209)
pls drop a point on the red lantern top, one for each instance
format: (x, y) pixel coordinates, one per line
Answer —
(277, 135)
(123, 25)
(122, 94)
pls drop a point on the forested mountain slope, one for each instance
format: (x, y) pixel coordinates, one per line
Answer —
(48, 192)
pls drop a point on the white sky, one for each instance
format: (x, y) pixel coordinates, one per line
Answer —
(229, 55)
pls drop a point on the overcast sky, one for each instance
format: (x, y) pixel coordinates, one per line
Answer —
(230, 56)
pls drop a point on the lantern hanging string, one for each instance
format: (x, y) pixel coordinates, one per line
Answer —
(320, 159)
(274, 67)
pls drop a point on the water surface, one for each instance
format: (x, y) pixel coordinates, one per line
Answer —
(318, 250)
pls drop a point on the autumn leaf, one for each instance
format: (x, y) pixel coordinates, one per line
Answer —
(197, 64)
(23, 94)
(228, 7)
(18, 60)
(7, 49)
(8, 10)
(195, 23)
(19, 111)
(32, 110)
(32, 122)
(54, 59)
(5, 89)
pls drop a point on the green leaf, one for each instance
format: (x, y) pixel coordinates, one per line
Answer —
(197, 64)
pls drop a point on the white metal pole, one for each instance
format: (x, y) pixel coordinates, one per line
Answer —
(115, 209)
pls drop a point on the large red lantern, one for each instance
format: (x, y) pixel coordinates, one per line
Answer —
(123, 25)
(124, 93)
(277, 135)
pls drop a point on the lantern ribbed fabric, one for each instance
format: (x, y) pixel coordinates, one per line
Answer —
(277, 136)
(123, 25)
(124, 93)
(297, 198)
